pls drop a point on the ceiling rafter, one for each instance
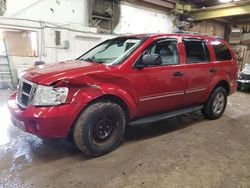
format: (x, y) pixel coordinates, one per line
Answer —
(223, 11)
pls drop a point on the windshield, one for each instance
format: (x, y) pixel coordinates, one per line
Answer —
(112, 51)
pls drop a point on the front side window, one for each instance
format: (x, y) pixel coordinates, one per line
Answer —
(222, 52)
(167, 49)
(196, 50)
(112, 51)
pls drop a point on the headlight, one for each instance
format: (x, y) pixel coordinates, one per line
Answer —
(45, 95)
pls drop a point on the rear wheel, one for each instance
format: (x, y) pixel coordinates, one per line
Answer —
(100, 128)
(216, 104)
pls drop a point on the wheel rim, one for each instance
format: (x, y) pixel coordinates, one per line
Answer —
(103, 129)
(218, 103)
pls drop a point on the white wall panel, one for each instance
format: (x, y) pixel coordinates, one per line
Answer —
(138, 19)
(60, 11)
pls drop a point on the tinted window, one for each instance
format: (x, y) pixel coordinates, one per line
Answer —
(221, 51)
(196, 50)
(167, 49)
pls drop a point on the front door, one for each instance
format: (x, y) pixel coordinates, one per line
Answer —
(160, 88)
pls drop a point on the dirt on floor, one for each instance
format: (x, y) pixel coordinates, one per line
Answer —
(186, 151)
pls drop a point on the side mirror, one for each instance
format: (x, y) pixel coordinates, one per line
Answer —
(150, 60)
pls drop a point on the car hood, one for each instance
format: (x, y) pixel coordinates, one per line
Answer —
(48, 74)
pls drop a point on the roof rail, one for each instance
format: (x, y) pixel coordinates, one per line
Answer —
(196, 33)
(185, 32)
(218, 37)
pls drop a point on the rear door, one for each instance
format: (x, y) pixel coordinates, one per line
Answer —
(198, 69)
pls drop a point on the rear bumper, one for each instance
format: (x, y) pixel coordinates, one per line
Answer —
(53, 121)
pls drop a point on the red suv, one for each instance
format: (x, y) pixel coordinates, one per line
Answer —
(129, 80)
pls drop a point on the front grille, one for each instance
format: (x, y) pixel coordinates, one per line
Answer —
(245, 76)
(26, 87)
(25, 92)
(25, 99)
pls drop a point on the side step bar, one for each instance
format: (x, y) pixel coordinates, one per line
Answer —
(160, 117)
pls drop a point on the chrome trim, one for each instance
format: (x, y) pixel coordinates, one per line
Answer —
(20, 92)
(94, 86)
(195, 90)
(161, 96)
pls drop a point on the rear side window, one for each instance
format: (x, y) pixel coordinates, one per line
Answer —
(222, 52)
(196, 50)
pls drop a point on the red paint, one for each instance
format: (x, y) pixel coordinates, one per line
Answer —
(89, 81)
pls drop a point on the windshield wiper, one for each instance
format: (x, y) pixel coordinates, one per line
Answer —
(88, 59)
(93, 60)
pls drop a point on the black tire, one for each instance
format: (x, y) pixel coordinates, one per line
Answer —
(215, 107)
(100, 128)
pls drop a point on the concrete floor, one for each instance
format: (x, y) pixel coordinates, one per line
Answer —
(187, 151)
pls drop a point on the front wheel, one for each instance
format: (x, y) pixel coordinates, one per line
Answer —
(216, 104)
(100, 128)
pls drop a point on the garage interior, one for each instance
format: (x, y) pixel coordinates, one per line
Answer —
(183, 151)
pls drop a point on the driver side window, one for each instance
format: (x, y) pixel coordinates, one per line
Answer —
(167, 49)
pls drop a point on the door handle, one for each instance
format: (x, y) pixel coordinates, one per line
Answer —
(212, 70)
(178, 73)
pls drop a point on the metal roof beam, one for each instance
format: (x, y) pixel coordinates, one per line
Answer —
(167, 4)
(220, 11)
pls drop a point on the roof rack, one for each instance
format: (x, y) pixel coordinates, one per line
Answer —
(196, 33)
